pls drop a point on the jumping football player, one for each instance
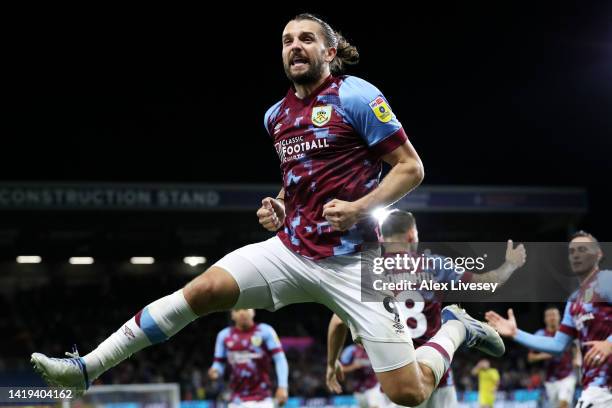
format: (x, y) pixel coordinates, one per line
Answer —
(332, 134)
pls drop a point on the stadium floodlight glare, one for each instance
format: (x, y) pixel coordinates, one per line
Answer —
(194, 260)
(142, 260)
(380, 214)
(29, 259)
(81, 260)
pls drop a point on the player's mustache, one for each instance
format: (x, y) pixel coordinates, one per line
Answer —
(299, 55)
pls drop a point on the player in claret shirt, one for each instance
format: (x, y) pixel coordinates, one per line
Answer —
(560, 381)
(423, 309)
(356, 363)
(332, 134)
(248, 348)
(587, 317)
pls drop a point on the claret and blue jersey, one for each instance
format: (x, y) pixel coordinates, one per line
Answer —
(558, 367)
(587, 317)
(364, 377)
(249, 354)
(330, 146)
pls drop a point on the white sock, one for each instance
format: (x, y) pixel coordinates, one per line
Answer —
(438, 352)
(153, 324)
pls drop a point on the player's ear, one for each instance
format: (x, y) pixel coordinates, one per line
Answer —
(330, 54)
(412, 234)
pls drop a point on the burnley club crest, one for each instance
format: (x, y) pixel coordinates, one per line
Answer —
(321, 115)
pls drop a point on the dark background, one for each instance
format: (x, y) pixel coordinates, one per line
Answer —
(512, 94)
(502, 95)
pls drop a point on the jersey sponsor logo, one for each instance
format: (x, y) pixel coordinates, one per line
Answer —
(242, 357)
(256, 341)
(580, 321)
(381, 109)
(321, 115)
(296, 147)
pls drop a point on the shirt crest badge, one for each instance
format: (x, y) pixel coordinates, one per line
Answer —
(321, 115)
(256, 341)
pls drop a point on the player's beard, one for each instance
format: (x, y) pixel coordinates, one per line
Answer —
(311, 75)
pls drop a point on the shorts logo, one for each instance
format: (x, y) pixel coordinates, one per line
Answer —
(256, 341)
(321, 115)
(389, 305)
(381, 109)
(128, 332)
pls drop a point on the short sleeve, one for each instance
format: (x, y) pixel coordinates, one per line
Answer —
(271, 115)
(348, 355)
(369, 113)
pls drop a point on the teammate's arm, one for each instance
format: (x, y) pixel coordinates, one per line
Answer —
(598, 353)
(349, 368)
(576, 356)
(515, 258)
(534, 357)
(406, 173)
(218, 367)
(281, 365)
(336, 336)
(508, 328)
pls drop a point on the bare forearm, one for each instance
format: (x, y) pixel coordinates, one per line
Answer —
(499, 275)
(535, 357)
(402, 179)
(336, 336)
(350, 368)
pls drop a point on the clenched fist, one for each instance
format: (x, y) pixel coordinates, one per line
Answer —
(271, 214)
(341, 215)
